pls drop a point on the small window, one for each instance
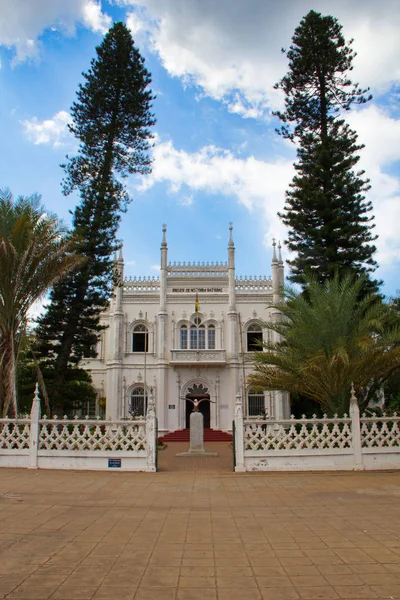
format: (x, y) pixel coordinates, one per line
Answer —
(193, 338)
(254, 337)
(140, 339)
(184, 337)
(138, 402)
(211, 337)
(255, 404)
(202, 338)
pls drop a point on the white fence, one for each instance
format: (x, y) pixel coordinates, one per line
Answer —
(348, 443)
(90, 444)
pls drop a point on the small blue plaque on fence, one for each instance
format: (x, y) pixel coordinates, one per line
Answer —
(114, 463)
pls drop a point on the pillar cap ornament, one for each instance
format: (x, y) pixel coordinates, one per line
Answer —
(164, 239)
(274, 258)
(353, 397)
(279, 252)
(230, 244)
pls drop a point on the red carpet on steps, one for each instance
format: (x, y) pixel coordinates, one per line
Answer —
(210, 435)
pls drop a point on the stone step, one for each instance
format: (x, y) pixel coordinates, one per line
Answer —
(210, 435)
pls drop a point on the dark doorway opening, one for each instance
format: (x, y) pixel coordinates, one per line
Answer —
(204, 408)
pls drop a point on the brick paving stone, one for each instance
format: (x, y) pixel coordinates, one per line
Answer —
(168, 461)
(200, 533)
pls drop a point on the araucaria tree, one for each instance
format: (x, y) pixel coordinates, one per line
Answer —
(329, 220)
(34, 253)
(111, 119)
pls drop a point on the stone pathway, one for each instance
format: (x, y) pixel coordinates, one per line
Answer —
(199, 535)
(168, 461)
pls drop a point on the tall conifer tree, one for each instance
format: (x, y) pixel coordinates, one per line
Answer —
(111, 118)
(329, 220)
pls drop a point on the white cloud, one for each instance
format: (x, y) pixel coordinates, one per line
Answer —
(231, 48)
(50, 131)
(94, 19)
(380, 134)
(135, 23)
(22, 23)
(258, 185)
(186, 200)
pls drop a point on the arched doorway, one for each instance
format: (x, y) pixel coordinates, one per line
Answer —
(198, 392)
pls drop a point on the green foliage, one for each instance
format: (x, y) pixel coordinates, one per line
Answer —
(329, 338)
(111, 119)
(329, 220)
(33, 256)
(392, 392)
(77, 394)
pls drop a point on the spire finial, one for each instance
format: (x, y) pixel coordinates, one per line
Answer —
(121, 257)
(274, 259)
(279, 252)
(164, 240)
(230, 234)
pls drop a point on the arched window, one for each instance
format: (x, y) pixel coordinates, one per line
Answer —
(255, 403)
(211, 337)
(254, 337)
(199, 336)
(140, 339)
(138, 402)
(184, 337)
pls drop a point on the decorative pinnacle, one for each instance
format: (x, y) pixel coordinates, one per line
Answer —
(121, 257)
(353, 397)
(164, 240)
(274, 259)
(230, 235)
(279, 252)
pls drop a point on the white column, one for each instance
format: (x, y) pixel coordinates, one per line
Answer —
(239, 435)
(356, 431)
(151, 435)
(114, 408)
(161, 335)
(34, 431)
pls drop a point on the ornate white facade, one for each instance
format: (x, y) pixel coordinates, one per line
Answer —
(186, 333)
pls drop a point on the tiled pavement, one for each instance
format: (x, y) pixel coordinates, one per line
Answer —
(169, 461)
(199, 535)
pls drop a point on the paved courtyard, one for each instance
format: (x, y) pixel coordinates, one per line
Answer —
(189, 535)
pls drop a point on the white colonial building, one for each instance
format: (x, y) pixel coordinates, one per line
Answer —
(183, 335)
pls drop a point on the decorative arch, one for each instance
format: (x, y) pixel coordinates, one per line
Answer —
(148, 324)
(138, 396)
(140, 334)
(253, 335)
(197, 381)
(196, 333)
(255, 403)
(203, 387)
(194, 317)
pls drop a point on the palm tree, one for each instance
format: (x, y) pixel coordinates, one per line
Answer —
(326, 338)
(34, 253)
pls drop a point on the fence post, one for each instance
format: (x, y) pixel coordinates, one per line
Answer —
(151, 435)
(34, 430)
(356, 431)
(239, 435)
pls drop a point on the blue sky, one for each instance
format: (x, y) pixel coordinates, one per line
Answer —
(217, 157)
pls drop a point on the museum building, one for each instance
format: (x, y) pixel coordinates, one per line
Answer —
(186, 334)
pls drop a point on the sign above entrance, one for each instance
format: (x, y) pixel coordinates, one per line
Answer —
(200, 290)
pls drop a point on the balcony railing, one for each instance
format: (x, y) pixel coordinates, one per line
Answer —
(198, 357)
